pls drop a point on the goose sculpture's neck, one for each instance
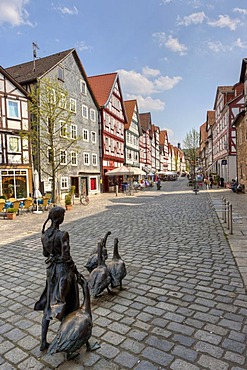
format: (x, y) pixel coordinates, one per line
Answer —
(116, 255)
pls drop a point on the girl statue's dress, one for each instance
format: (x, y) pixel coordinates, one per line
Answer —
(61, 293)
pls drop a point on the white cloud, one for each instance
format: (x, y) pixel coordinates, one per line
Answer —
(136, 83)
(150, 72)
(67, 11)
(216, 46)
(14, 12)
(194, 18)
(81, 46)
(169, 42)
(174, 45)
(240, 44)
(160, 38)
(166, 83)
(147, 103)
(239, 10)
(225, 21)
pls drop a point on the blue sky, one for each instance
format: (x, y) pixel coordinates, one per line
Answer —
(171, 54)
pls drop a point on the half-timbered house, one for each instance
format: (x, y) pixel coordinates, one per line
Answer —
(112, 118)
(15, 151)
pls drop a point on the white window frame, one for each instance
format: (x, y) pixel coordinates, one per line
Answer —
(62, 102)
(60, 73)
(92, 113)
(84, 109)
(93, 136)
(85, 131)
(94, 159)
(83, 87)
(86, 162)
(73, 155)
(65, 156)
(64, 183)
(17, 147)
(17, 102)
(72, 105)
(73, 131)
(63, 129)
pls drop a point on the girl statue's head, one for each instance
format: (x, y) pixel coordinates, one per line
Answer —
(56, 215)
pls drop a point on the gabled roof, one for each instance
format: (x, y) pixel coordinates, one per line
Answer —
(12, 80)
(145, 121)
(102, 86)
(25, 72)
(203, 133)
(224, 90)
(129, 107)
(243, 68)
(163, 135)
(210, 117)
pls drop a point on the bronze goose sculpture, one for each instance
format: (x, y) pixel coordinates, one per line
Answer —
(92, 262)
(116, 267)
(76, 328)
(99, 279)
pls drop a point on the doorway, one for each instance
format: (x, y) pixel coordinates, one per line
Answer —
(75, 182)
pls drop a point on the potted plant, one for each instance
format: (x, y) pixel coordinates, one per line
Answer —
(11, 213)
(68, 202)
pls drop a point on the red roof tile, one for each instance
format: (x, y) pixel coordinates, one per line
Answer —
(102, 86)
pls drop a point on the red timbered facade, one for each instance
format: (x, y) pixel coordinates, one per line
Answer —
(229, 102)
(107, 90)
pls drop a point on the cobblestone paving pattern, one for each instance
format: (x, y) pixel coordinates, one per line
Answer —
(184, 306)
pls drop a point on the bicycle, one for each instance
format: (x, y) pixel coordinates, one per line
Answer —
(84, 200)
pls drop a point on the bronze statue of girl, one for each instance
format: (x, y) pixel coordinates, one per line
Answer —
(61, 293)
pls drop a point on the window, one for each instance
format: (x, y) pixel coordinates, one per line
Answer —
(86, 159)
(93, 137)
(63, 129)
(13, 108)
(83, 87)
(94, 159)
(63, 157)
(93, 183)
(64, 182)
(84, 111)
(85, 135)
(62, 101)
(92, 115)
(73, 158)
(72, 106)
(73, 131)
(60, 73)
(14, 144)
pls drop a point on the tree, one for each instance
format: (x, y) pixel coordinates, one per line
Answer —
(51, 134)
(191, 147)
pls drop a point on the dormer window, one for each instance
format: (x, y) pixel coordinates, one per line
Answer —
(60, 73)
(83, 87)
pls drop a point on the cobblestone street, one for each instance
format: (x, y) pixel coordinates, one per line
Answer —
(184, 305)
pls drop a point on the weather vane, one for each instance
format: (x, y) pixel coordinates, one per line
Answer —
(35, 48)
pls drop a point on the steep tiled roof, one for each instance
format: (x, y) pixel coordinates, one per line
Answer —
(145, 120)
(102, 86)
(25, 73)
(129, 107)
(228, 91)
(163, 135)
(203, 134)
(210, 117)
(14, 82)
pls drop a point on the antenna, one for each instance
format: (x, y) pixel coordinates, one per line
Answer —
(35, 48)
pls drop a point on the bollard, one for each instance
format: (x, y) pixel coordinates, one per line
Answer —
(116, 190)
(224, 208)
(227, 215)
(222, 215)
(230, 219)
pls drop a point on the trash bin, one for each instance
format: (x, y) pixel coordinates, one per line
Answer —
(222, 182)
